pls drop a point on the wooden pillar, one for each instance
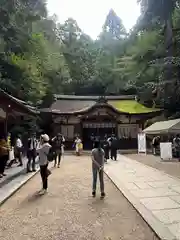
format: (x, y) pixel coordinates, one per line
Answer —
(78, 129)
(6, 120)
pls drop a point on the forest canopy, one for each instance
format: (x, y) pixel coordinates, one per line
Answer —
(40, 57)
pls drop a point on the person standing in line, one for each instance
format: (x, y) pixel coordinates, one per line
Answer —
(92, 138)
(106, 149)
(18, 150)
(57, 145)
(97, 167)
(31, 153)
(4, 155)
(155, 144)
(113, 147)
(43, 150)
(176, 145)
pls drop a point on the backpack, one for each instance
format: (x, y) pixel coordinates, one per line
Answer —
(51, 155)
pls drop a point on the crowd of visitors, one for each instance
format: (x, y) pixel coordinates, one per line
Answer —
(47, 150)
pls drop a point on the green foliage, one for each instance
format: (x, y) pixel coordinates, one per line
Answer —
(30, 52)
(40, 57)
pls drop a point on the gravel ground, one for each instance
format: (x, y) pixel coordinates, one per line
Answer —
(170, 167)
(68, 211)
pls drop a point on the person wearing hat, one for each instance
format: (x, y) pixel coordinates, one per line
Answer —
(43, 151)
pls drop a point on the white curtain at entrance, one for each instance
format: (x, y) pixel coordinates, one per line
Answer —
(67, 131)
(127, 130)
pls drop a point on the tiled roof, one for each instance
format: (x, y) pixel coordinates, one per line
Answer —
(70, 106)
(94, 98)
(131, 107)
(20, 103)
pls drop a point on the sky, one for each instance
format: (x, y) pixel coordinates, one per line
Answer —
(90, 14)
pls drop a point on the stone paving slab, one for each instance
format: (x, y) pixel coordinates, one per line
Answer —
(7, 190)
(15, 171)
(155, 194)
(68, 211)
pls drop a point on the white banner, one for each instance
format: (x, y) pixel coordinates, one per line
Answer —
(141, 143)
(166, 150)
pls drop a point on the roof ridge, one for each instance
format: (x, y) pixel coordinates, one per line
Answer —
(108, 97)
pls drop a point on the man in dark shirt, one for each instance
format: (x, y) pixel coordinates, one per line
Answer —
(57, 143)
(113, 147)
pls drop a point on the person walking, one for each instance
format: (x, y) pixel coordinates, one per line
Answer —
(57, 145)
(31, 153)
(18, 150)
(78, 146)
(43, 150)
(97, 168)
(4, 155)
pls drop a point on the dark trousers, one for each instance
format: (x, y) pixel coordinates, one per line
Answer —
(59, 155)
(177, 153)
(101, 179)
(3, 162)
(106, 151)
(44, 175)
(31, 155)
(114, 154)
(19, 155)
(154, 148)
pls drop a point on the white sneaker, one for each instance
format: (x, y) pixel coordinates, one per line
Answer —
(42, 191)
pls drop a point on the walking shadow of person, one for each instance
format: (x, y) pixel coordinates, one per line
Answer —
(32, 198)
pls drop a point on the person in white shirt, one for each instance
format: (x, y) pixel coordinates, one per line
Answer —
(31, 153)
(78, 145)
(18, 150)
(43, 151)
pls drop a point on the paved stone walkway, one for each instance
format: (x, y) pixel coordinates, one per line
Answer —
(68, 211)
(155, 194)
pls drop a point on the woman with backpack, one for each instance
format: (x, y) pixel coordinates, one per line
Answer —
(43, 151)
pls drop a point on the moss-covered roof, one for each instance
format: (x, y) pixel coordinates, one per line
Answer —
(76, 104)
(131, 106)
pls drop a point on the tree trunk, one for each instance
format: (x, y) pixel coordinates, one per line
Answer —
(168, 73)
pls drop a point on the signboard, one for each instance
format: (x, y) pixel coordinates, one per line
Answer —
(99, 125)
(141, 143)
(166, 150)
